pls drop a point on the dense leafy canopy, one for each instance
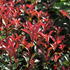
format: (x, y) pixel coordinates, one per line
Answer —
(34, 35)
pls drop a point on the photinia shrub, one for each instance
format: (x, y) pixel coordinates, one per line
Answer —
(33, 36)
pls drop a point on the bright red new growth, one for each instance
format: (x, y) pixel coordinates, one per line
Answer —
(33, 29)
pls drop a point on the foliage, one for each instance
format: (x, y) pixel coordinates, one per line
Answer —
(34, 35)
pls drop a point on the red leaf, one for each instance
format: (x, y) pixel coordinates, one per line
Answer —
(59, 39)
(62, 46)
(45, 36)
(1, 29)
(56, 57)
(26, 31)
(64, 13)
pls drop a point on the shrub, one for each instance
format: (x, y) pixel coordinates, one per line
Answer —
(33, 36)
